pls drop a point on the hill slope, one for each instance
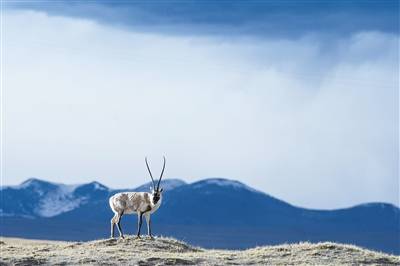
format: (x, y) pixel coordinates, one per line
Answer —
(168, 251)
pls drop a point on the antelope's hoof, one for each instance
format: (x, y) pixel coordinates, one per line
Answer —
(151, 237)
(122, 237)
(137, 237)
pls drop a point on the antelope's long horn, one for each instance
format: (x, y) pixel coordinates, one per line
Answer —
(148, 168)
(162, 172)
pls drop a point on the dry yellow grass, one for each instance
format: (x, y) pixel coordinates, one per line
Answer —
(168, 251)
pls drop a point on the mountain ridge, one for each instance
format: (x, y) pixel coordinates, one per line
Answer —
(212, 212)
(146, 187)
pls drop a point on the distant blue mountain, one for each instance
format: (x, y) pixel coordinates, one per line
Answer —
(216, 213)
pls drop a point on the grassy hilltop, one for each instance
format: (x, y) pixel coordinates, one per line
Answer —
(168, 251)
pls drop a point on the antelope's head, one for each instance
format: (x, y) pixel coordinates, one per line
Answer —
(156, 190)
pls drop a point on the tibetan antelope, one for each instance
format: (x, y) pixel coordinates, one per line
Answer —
(141, 203)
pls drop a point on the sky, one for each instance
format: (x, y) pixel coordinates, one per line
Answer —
(298, 99)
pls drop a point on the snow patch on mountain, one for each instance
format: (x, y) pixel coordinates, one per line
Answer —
(167, 184)
(52, 198)
(98, 186)
(33, 184)
(29, 183)
(222, 182)
(56, 204)
(58, 201)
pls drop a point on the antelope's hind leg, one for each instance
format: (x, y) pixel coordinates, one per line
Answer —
(118, 221)
(113, 221)
(140, 219)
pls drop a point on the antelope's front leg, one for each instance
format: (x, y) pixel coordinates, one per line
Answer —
(140, 218)
(148, 221)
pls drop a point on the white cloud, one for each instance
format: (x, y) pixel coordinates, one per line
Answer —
(312, 121)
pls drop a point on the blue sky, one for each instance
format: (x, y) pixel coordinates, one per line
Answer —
(298, 99)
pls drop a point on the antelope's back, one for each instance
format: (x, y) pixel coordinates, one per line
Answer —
(127, 202)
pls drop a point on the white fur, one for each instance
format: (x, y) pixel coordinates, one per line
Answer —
(140, 203)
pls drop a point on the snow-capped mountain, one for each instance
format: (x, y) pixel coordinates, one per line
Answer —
(38, 198)
(167, 184)
(214, 212)
(222, 182)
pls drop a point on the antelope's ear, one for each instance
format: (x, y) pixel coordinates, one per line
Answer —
(161, 190)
